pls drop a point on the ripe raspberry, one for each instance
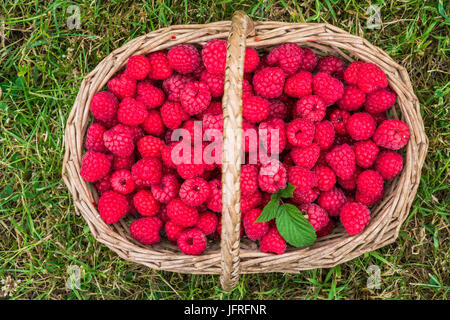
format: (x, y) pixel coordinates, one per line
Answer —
(351, 73)
(173, 115)
(272, 135)
(365, 153)
(215, 198)
(269, 82)
(159, 66)
(255, 109)
(145, 203)
(131, 112)
(389, 164)
(352, 99)
(153, 124)
(173, 85)
(332, 200)
(254, 230)
(326, 179)
(122, 86)
(195, 98)
(182, 214)
(103, 185)
(138, 67)
(277, 109)
(167, 189)
(121, 181)
(309, 61)
(302, 178)
(299, 84)
(123, 162)
(104, 105)
(183, 58)
(305, 157)
(392, 134)
(368, 200)
(331, 65)
(272, 242)
(94, 166)
(371, 78)
(339, 120)
(149, 95)
(173, 231)
(207, 222)
(252, 201)
(342, 160)
(380, 100)
(214, 81)
(94, 138)
(189, 166)
(212, 122)
(361, 126)
(316, 215)
(325, 230)
(146, 172)
(195, 191)
(311, 108)
(192, 242)
(146, 230)
(119, 140)
(287, 56)
(249, 179)
(150, 146)
(250, 138)
(324, 134)
(355, 217)
(350, 184)
(305, 197)
(379, 117)
(214, 55)
(300, 132)
(251, 60)
(112, 206)
(370, 183)
(272, 176)
(247, 89)
(328, 88)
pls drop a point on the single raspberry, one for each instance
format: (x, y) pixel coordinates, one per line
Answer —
(352, 99)
(326, 179)
(149, 95)
(145, 203)
(119, 140)
(324, 134)
(123, 162)
(365, 153)
(214, 81)
(269, 82)
(173, 231)
(104, 184)
(168, 157)
(192, 242)
(215, 198)
(153, 124)
(368, 200)
(254, 230)
(308, 196)
(138, 67)
(159, 66)
(272, 135)
(207, 222)
(342, 160)
(287, 56)
(195, 191)
(350, 184)
(325, 230)
(299, 84)
(195, 97)
(272, 176)
(146, 230)
(255, 109)
(380, 100)
(332, 200)
(162, 213)
(94, 138)
(193, 132)
(251, 60)
(332, 65)
(277, 109)
(249, 179)
(252, 201)
(328, 88)
(181, 213)
(371, 78)
(173, 85)
(189, 166)
(183, 58)
(94, 166)
(167, 189)
(212, 122)
(305, 157)
(122, 182)
(316, 215)
(131, 112)
(214, 55)
(303, 179)
(309, 61)
(272, 242)
(392, 134)
(351, 73)
(361, 126)
(112, 206)
(104, 105)
(150, 146)
(370, 183)
(355, 217)
(146, 172)
(300, 132)
(122, 86)
(173, 115)
(339, 120)
(389, 164)
(311, 108)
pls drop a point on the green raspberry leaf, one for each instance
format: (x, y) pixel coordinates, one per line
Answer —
(287, 192)
(270, 211)
(294, 227)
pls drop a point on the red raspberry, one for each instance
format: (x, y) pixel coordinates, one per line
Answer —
(212, 122)
(316, 215)
(352, 99)
(214, 55)
(332, 200)
(326, 230)
(350, 184)
(145, 203)
(324, 134)
(194, 130)
(365, 153)
(371, 78)
(167, 189)
(247, 89)
(250, 138)
(254, 230)
(108, 124)
(214, 81)
(342, 160)
(131, 112)
(311, 108)
(103, 185)
(249, 179)
(123, 162)
(174, 84)
(326, 179)
(305, 197)
(252, 201)
(328, 88)
(355, 217)
(277, 109)
(389, 164)
(302, 178)
(215, 198)
(173, 231)
(159, 66)
(392, 134)
(380, 100)
(146, 172)
(339, 120)
(112, 206)
(361, 126)
(136, 132)
(195, 98)
(379, 117)
(183, 58)
(173, 115)
(146, 230)
(251, 60)
(300, 132)
(255, 109)
(339, 140)
(207, 222)
(368, 200)
(153, 124)
(122, 86)
(269, 82)
(331, 65)
(104, 105)
(287, 56)
(299, 84)
(119, 140)
(94, 138)
(309, 61)
(94, 166)
(166, 154)
(122, 182)
(138, 67)
(272, 135)
(272, 176)
(162, 214)
(150, 146)
(149, 95)
(305, 157)
(195, 191)
(192, 242)
(272, 242)
(182, 214)
(351, 73)
(370, 183)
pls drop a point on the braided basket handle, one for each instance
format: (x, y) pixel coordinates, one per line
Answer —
(241, 27)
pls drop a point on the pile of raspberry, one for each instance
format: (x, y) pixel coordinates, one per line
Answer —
(321, 125)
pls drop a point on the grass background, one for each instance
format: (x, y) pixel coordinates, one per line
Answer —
(42, 63)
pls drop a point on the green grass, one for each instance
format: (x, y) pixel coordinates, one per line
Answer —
(42, 63)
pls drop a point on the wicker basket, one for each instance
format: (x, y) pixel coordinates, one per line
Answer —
(234, 257)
